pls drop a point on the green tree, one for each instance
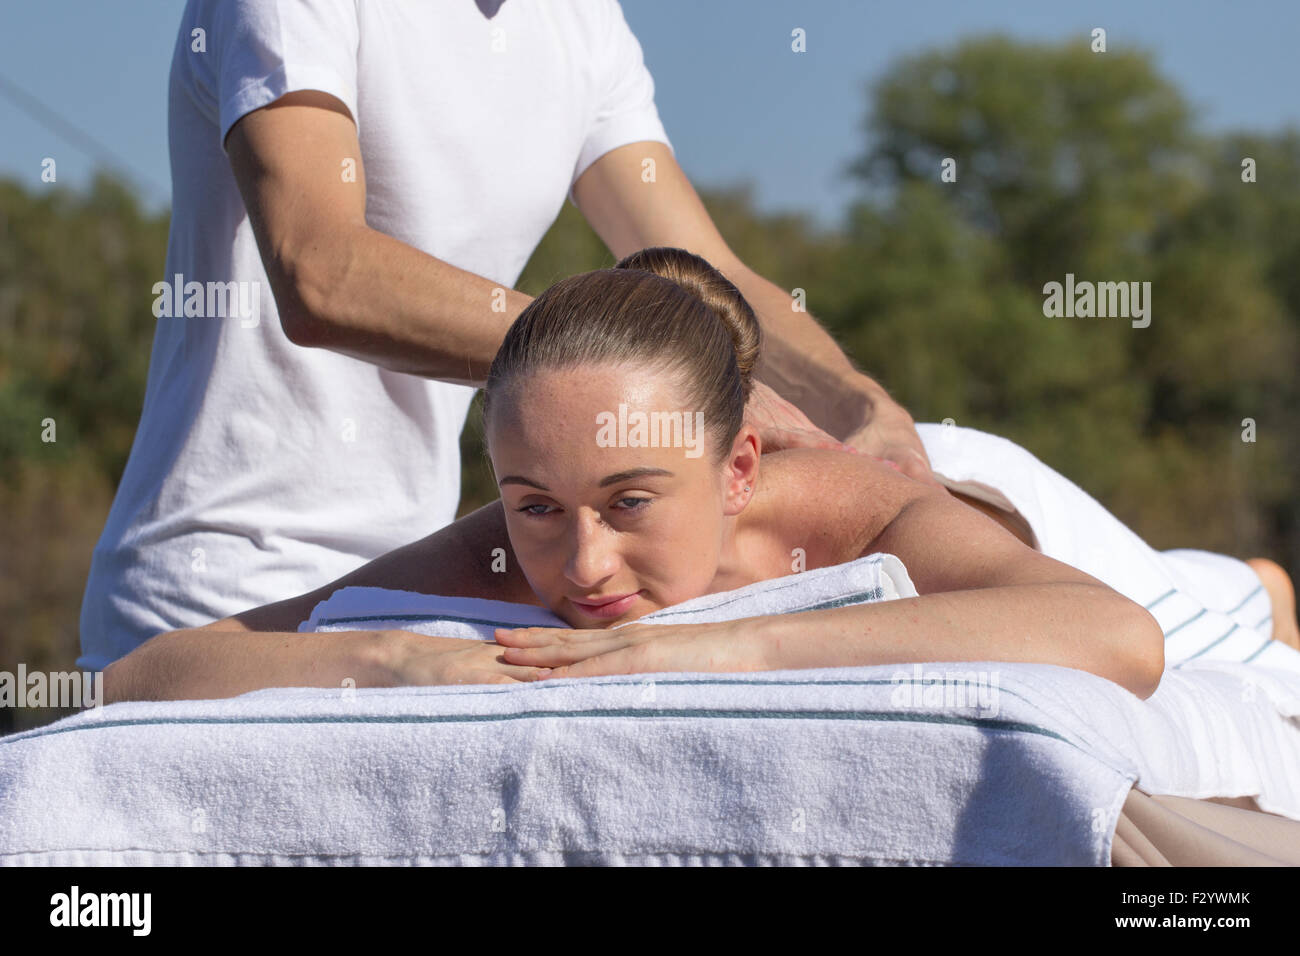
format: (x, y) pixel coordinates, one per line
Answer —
(1074, 162)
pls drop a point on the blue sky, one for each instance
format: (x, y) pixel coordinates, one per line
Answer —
(737, 104)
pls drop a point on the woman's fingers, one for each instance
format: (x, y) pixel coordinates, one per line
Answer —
(551, 647)
(558, 655)
(511, 675)
(517, 672)
(620, 661)
(543, 636)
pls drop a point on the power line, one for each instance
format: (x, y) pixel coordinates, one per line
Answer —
(48, 117)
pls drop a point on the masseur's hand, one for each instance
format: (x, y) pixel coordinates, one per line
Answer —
(896, 442)
(631, 649)
(781, 425)
(414, 659)
(890, 435)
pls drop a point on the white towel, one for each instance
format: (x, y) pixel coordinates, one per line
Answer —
(838, 765)
(794, 767)
(875, 577)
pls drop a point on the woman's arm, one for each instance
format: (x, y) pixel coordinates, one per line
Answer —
(201, 664)
(261, 647)
(471, 557)
(1082, 626)
(984, 597)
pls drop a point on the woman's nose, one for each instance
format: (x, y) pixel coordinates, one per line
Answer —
(593, 555)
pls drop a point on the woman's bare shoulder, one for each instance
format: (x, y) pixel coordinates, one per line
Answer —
(833, 504)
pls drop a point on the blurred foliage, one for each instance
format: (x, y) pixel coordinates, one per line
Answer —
(76, 325)
(1067, 161)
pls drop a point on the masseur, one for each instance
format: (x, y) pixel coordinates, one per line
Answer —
(375, 176)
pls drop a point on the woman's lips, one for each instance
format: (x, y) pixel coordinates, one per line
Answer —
(611, 608)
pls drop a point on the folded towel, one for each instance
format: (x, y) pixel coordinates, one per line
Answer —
(876, 577)
(793, 767)
(835, 765)
(1210, 606)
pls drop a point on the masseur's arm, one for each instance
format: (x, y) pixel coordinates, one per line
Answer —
(338, 283)
(344, 286)
(261, 647)
(800, 359)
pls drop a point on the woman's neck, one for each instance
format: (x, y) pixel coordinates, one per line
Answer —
(754, 550)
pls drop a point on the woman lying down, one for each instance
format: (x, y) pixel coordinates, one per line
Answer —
(602, 534)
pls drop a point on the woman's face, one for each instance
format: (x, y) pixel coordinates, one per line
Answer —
(606, 532)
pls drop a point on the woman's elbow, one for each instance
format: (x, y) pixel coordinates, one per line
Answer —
(136, 675)
(1147, 659)
(116, 686)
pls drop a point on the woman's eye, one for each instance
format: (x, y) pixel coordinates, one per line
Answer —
(539, 510)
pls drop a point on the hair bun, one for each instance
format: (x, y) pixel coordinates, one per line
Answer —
(699, 278)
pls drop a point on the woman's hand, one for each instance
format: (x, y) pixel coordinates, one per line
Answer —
(408, 659)
(631, 649)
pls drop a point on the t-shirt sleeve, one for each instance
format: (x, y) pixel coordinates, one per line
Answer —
(625, 112)
(267, 48)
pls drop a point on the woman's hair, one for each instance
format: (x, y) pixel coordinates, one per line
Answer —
(662, 308)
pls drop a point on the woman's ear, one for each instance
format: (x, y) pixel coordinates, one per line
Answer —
(740, 471)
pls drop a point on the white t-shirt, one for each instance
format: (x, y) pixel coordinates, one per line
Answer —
(261, 469)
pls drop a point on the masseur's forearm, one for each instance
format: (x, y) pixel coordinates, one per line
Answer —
(804, 364)
(373, 297)
(1083, 626)
(202, 664)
